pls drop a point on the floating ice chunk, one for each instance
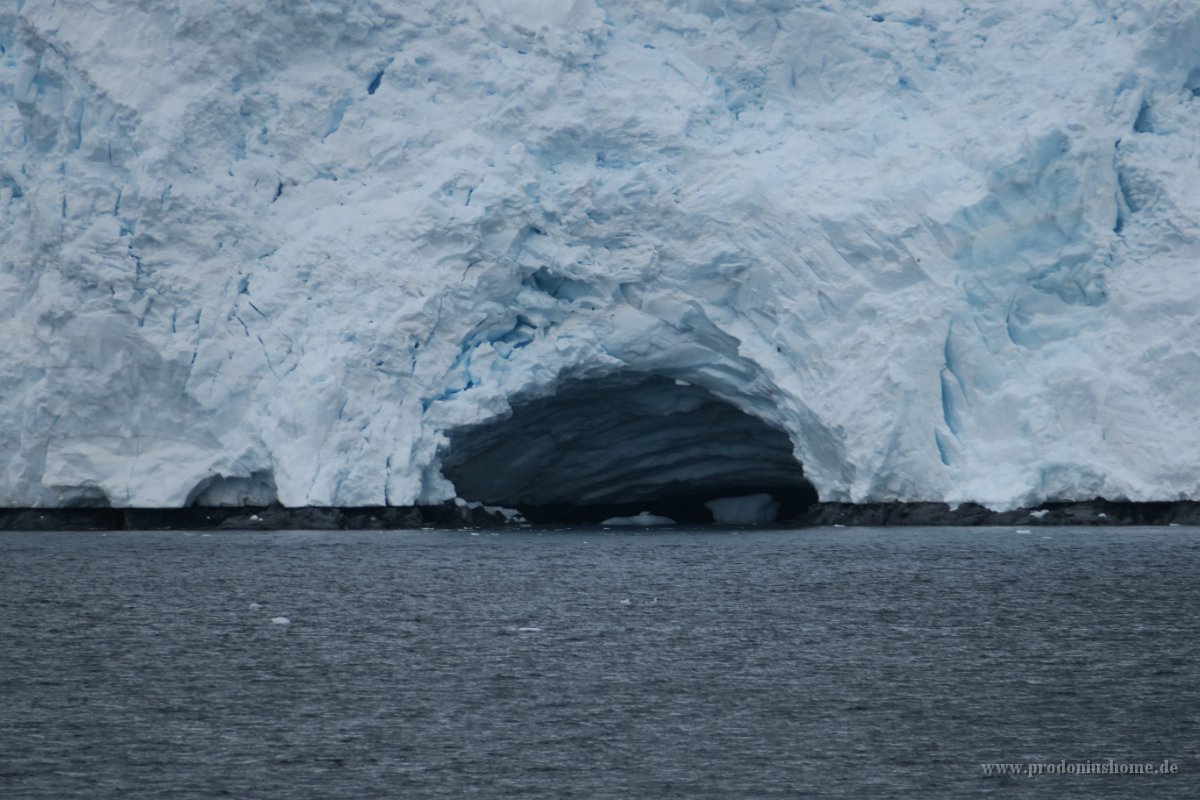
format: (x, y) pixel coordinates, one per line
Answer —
(1039, 514)
(645, 519)
(1024, 530)
(529, 629)
(745, 510)
(281, 620)
(626, 602)
(510, 515)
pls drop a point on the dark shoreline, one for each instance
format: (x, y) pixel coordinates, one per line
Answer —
(450, 516)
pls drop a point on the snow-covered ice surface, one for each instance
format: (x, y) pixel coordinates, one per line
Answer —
(258, 249)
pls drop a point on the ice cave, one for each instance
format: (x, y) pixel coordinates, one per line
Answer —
(624, 445)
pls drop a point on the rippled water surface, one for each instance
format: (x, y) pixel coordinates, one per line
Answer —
(823, 662)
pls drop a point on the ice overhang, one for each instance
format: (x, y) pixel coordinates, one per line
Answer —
(626, 443)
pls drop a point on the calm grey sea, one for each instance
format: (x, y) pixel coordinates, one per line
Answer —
(823, 662)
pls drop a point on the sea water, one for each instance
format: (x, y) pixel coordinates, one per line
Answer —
(834, 662)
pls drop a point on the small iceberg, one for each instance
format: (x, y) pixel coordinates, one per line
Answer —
(644, 519)
(510, 515)
(281, 620)
(751, 509)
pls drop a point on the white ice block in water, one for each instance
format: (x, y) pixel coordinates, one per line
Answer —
(746, 510)
(644, 519)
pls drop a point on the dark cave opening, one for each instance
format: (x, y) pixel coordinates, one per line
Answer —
(622, 445)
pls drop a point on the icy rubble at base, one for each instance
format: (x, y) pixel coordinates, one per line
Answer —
(751, 509)
(641, 520)
(952, 250)
(509, 515)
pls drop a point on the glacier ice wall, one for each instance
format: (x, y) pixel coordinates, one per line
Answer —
(952, 250)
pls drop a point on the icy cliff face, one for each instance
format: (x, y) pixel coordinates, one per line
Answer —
(952, 250)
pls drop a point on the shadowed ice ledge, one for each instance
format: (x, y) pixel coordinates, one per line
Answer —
(623, 445)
